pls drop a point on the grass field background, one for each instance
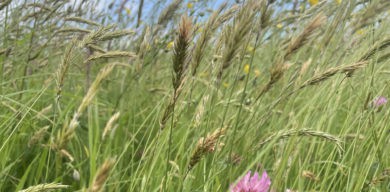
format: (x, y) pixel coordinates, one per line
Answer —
(188, 95)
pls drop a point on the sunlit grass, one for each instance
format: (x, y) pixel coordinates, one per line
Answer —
(174, 96)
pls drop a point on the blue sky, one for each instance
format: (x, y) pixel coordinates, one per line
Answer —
(133, 4)
(149, 5)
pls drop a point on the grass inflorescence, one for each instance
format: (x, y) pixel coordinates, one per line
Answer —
(184, 95)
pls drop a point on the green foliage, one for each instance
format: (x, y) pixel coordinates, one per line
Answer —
(83, 91)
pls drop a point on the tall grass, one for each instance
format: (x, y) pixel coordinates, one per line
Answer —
(176, 96)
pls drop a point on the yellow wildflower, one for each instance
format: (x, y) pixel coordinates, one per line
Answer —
(338, 1)
(128, 11)
(361, 32)
(246, 68)
(225, 84)
(313, 2)
(204, 74)
(250, 49)
(190, 5)
(279, 25)
(148, 47)
(170, 45)
(257, 73)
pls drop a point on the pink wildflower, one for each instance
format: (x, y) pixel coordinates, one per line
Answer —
(252, 184)
(379, 101)
(289, 190)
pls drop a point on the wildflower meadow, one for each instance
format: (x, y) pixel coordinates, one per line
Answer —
(195, 95)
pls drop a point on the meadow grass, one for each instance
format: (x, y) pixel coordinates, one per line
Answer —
(175, 96)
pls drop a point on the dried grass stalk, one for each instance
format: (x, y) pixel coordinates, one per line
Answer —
(206, 34)
(304, 67)
(110, 124)
(144, 47)
(181, 56)
(304, 132)
(168, 13)
(181, 59)
(45, 187)
(115, 34)
(310, 175)
(168, 111)
(42, 114)
(95, 36)
(68, 130)
(200, 111)
(81, 20)
(63, 69)
(205, 146)
(301, 40)
(226, 16)
(111, 54)
(73, 30)
(234, 34)
(383, 177)
(96, 48)
(101, 176)
(379, 46)
(303, 70)
(66, 154)
(332, 71)
(38, 136)
(277, 71)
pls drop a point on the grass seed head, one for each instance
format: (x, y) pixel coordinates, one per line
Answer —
(101, 176)
(181, 55)
(45, 187)
(205, 146)
(110, 124)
